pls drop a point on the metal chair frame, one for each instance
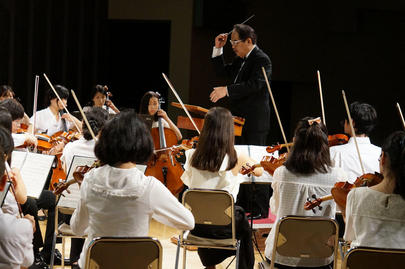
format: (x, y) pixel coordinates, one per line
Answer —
(377, 251)
(183, 235)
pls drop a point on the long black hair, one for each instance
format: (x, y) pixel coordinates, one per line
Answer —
(310, 152)
(216, 140)
(143, 108)
(394, 148)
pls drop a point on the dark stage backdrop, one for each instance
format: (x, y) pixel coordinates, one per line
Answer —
(75, 44)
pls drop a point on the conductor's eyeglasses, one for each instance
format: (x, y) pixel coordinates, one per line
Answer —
(234, 42)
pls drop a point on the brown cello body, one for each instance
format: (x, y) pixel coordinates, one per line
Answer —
(163, 165)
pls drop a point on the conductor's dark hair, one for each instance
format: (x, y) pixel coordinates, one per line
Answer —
(394, 148)
(216, 140)
(14, 107)
(143, 108)
(310, 152)
(5, 89)
(2, 167)
(124, 138)
(6, 142)
(245, 32)
(364, 117)
(62, 92)
(5, 119)
(97, 117)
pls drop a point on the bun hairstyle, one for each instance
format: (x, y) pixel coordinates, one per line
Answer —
(394, 148)
(310, 152)
(97, 118)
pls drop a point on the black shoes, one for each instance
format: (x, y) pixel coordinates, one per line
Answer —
(57, 258)
(39, 262)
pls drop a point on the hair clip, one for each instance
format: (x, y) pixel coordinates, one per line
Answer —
(317, 120)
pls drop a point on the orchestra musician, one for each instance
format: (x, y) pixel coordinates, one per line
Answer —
(209, 167)
(96, 116)
(249, 99)
(99, 98)
(49, 120)
(29, 205)
(364, 118)
(15, 233)
(375, 216)
(118, 193)
(308, 170)
(150, 106)
(6, 92)
(16, 111)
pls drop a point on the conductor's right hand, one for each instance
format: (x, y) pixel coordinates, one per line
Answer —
(220, 40)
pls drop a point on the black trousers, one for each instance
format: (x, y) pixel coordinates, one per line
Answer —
(211, 257)
(46, 200)
(254, 198)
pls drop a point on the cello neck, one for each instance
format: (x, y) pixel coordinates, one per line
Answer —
(162, 139)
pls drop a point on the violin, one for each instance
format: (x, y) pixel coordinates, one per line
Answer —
(163, 165)
(342, 189)
(78, 176)
(269, 164)
(337, 139)
(273, 148)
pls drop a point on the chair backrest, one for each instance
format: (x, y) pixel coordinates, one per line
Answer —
(306, 237)
(211, 207)
(364, 257)
(124, 252)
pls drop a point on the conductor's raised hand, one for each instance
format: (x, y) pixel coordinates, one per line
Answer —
(220, 40)
(218, 93)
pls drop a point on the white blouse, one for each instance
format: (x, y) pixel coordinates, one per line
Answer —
(290, 192)
(120, 202)
(81, 147)
(15, 242)
(375, 219)
(203, 179)
(346, 157)
(46, 122)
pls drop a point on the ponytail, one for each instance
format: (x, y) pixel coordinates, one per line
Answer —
(310, 152)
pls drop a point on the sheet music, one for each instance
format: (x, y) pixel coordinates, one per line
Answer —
(70, 200)
(34, 168)
(257, 153)
(3, 193)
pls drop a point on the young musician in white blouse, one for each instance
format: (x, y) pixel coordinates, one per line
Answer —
(51, 119)
(84, 146)
(215, 164)
(15, 233)
(308, 170)
(150, 106)
(117, 197)
(364, 118)
(375, 216)
(99, 98)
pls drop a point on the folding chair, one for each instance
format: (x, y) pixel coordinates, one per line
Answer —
(209, 207)
(365, 257)
(305, 238)
(64, 231)
(124, 253)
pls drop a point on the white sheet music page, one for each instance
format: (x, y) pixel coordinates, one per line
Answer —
(70, 199)
(34, 168)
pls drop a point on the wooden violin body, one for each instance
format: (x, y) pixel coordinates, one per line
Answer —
(342, 189)
(163, 165)
(337, 139)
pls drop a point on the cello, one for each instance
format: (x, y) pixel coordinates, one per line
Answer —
(163, 165)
